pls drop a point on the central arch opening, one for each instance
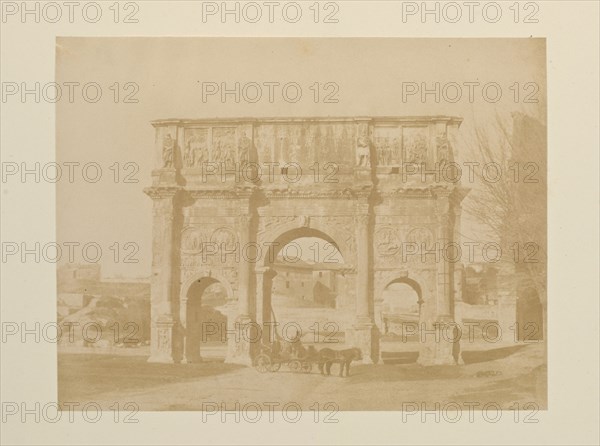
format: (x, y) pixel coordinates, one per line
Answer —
(206, 321)
(309, 291)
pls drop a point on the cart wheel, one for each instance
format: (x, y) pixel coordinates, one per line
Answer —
(262, 363)
(275, 366)
(295, 365)
(306, 366)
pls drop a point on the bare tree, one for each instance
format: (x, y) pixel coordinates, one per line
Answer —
(509, 196)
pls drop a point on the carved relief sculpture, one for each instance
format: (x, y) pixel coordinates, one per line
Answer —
(415, 145)
(192, 240)
(342, 212)
(363, 155)
(168, 150)
(423, 237)
(386, 241)
(443, 150)
(196, 148)
(223, 145)
(225, 238)
(244, 147)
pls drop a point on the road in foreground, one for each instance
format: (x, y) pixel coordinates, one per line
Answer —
(518, 378)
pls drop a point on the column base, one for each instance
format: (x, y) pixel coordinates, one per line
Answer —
(164, 359)
(366, 340)
(161, 350)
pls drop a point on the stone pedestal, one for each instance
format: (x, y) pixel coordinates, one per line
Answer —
(437, 346)
(365, 338)
(161, 349)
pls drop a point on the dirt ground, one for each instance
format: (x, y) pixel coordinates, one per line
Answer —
(505, 378)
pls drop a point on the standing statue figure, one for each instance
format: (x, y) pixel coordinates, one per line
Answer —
(217, 155)
(229, 156)
(200, 156)
(387, 152)
(244, 146)
(168, 149)
(443, 150)
(188, 156)
(363, 155)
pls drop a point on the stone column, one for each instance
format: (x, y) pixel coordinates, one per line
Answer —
(244, 326)
(183, 301)
(443, 269)
(243, 224)
(163, 320)
(259, 309)
(459, 305)
(363, 327)
(444, 320)
(362, 279)
(264, 280)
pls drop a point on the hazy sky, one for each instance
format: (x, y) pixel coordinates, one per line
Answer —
(170, 72)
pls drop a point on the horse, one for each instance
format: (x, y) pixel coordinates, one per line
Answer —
(328, 356)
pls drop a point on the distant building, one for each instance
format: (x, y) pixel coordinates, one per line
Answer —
(315, 283)
(75, 272)
(87, 279)
(79, 285)
(325, 288)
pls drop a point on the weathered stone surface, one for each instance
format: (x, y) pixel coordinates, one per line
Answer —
(226, 191)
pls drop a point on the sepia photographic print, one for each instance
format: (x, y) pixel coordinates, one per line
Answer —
(331, 224)
(299, 222)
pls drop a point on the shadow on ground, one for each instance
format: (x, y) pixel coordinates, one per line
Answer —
(471, 357)
(82, 377)
(402, 372)
(504, 376)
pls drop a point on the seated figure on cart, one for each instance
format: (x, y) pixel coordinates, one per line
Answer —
(291, 352)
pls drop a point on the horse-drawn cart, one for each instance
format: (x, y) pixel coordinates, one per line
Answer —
(300, 359)
(295, 357)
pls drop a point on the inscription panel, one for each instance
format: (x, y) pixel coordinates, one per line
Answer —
(306, 143)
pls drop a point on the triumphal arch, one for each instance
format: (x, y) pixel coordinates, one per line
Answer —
(228, 194)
